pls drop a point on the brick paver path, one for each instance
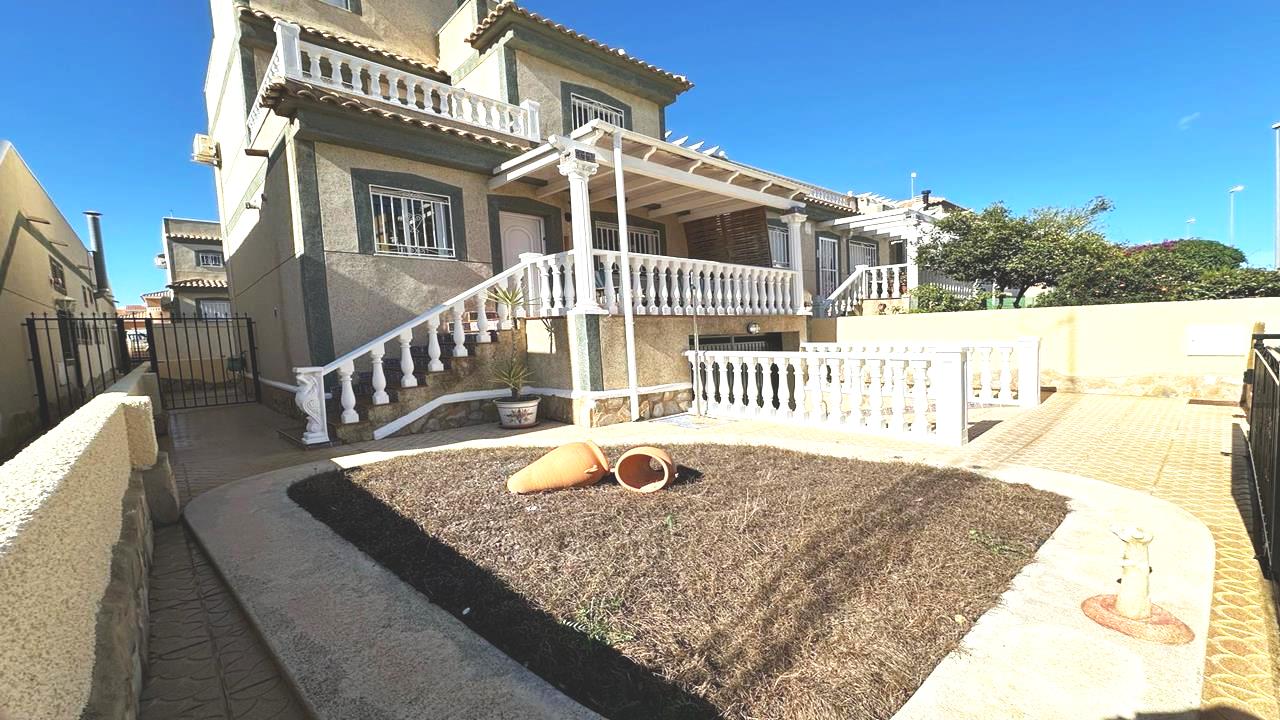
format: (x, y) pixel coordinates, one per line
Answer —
(215, 666)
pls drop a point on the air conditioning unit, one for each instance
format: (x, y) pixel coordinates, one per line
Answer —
(204, 150)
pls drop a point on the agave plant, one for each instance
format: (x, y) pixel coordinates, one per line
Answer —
(513, 373)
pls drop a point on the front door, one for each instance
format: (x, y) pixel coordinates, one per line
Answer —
(520, 234)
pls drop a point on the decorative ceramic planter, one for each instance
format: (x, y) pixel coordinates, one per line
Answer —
(520, 413)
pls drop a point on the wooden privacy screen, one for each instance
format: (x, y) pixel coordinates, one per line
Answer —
(741, 237)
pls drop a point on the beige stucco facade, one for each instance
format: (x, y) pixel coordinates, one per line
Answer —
(404, 27)
(1185, 349)
(35, 233)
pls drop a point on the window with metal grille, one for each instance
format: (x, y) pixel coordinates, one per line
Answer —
(213, 308)
(779, 247)
(863, 253)
(641, 240)
(585, 110)
(411, 223)
(57, 276)
(209, 259)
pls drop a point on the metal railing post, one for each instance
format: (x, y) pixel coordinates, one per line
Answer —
(42, 393)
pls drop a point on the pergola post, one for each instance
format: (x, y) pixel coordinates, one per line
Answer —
(579, 172)
(795, 228)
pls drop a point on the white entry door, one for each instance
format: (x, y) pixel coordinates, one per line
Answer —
(828, 272)
(520, 234)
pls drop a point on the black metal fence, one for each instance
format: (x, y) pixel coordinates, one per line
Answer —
(73, 358)
(199, 362)
(1264, 451)
(204, 362)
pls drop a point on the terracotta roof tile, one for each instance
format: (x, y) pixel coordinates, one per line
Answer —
(348, 42)
(191, 236)
(281, 88)
(508, 6)
(198, 283)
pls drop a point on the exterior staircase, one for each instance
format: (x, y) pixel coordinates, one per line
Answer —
(460, 374)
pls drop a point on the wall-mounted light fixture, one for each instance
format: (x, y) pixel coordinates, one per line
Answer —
(753, 328)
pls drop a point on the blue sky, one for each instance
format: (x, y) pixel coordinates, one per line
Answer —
(1160, 106)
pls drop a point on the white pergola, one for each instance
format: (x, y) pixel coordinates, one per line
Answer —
(658, 180)
(900, 224)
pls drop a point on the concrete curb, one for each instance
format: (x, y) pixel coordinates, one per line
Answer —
(353, 638)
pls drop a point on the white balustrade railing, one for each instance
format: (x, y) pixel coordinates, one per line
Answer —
(997, 370)
(957, 288)
(451, 315)
(831, 196)
(297, 59)
(909, 394)
(662, 285)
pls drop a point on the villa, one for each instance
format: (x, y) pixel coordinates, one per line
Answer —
(376, 185)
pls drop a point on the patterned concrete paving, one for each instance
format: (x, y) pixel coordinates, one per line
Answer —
(1188, 454)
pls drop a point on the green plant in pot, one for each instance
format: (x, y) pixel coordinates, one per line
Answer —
(518, 411)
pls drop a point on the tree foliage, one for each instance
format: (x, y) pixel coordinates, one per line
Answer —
(1018, 251)
(935, 298)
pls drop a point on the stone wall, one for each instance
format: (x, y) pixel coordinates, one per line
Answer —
(455, 415)
(614, 410)
(75, 548)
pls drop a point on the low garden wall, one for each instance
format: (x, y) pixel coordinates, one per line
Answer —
(1197, 349)
(75, 548)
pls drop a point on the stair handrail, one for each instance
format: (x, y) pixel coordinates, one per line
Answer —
(853, 281)
(436, 311)
(310, 394)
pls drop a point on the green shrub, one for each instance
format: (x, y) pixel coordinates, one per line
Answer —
(1235, 283)
(935, 298)
(1197, 252)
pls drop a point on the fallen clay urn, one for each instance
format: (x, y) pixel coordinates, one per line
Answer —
(572, 465)
(645, 469)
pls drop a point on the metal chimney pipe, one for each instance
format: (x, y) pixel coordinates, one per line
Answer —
(99, 254)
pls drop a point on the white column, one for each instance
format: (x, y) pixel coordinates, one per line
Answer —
(1028, 358)
(950, 396)
(579, 172)
(290, 56)
(795, 228)
(913, 270)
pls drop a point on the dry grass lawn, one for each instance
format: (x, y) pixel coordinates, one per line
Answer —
(763, 584)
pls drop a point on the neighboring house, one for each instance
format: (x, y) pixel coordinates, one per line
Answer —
(46, 271)
(375, 158)
(195, 270)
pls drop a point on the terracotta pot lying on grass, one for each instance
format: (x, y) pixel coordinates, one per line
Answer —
(572, 465)
(645, 469)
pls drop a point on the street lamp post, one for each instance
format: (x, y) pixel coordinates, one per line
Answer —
(1190, 221)
(1231, 212)
(1276, 128)
(913, 185)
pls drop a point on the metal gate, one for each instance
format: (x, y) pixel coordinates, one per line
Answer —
(74, 358)
(204, 361)
(1264, 452)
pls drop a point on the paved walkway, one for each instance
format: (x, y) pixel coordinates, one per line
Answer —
(1192, 455)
